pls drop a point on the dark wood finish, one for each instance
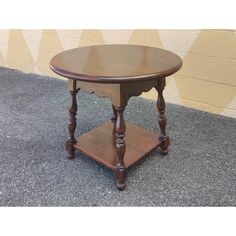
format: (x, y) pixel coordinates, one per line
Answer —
(162, 116)
(120, 147)
(115, 63)
(117, 72)
(118, 93)
(72, 123)
(99, 144)
(114, 118)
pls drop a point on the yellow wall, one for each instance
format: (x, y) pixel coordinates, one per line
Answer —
(207, 80)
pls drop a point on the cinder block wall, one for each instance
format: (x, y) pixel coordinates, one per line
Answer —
(206, 82)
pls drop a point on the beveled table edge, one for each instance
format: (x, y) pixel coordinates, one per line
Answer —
(115, 79)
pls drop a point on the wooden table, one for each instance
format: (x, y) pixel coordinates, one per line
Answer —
(117, 72)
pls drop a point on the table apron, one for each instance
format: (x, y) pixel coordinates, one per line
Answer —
(118, 93)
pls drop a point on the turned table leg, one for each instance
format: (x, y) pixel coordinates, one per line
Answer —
(114, 118)
(72, 124)
(162, 116)
(120, 147)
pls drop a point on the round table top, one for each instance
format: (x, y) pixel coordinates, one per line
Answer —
(115, 63)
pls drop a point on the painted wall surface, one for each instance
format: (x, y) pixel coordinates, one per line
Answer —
(206, 82)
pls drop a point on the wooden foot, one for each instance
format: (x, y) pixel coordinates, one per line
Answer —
(72, 124)
(164, 139)
(120, 148)
(120, 176)
(164, 146)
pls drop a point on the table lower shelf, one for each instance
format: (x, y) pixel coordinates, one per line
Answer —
(99, 144)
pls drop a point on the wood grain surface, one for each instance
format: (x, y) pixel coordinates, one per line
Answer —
(115, 63)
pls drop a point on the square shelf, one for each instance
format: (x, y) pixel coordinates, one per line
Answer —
(99, 144)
